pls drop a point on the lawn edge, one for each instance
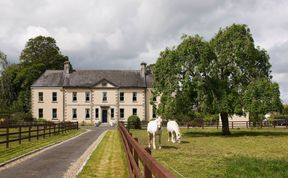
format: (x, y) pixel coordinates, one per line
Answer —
(79, 164)
(23, 157)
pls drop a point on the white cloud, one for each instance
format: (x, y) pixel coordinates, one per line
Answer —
(121, 34)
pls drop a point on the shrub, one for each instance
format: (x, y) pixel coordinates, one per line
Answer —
(83, 123)
(40, 120)
(134, 122)
(22, 117)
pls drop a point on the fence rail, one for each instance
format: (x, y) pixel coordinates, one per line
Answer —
(232, 124)
(135, 153)
(17, 132)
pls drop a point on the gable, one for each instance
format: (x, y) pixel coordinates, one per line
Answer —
(104, 84)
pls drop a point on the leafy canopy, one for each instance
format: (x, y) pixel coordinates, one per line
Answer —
(212, 77)
(40, 53)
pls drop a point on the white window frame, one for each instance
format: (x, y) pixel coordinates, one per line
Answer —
(40, 97)
(87, 113)
(74, 96)
(134, 97)
(53, 97)
(87, 96)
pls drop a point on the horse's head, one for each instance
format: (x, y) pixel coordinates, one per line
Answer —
(159, 123)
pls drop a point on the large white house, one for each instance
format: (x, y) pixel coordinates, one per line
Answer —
(93, 95)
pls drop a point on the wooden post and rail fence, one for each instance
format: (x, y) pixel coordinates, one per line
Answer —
(232, 124)
(135, 152)
(10, 132)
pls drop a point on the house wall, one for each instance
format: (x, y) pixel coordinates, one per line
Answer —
(47, 105)
(238, 121)
(128, 104)
(65, 103)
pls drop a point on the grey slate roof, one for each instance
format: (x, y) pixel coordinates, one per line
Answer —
(90, 78)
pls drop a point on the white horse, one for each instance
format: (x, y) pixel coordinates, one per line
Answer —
(154, 128)
(112, 123)
(173, 132)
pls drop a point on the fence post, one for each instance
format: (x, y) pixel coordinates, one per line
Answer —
(49, 125)
(232, 125)
(77, 125)
(202, 124)
(147, 171)
(7, 135)
(29, 137)
(217, 125)
(20, 132)
(246, 124)
(44, 130)
(136, 155)
(37, 131)
(29, 132)
(54, 128)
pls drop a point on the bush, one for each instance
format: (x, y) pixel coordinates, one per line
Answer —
(22, 117)
(134, 122)
(83, 123)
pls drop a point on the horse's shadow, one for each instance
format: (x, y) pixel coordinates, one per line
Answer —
(169, 147)
(184, 142)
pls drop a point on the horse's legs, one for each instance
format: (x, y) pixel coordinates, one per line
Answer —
(169, 135)
(154, 140)
(173, 137)
(160, 140)
(149, 140)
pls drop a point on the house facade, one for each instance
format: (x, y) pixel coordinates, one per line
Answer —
(93, 95)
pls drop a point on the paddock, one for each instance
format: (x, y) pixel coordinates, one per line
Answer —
(205, 152)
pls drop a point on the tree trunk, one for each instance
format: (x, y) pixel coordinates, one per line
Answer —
(225, 123)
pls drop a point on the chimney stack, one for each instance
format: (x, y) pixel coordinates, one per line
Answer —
(67, 67)
(143, 70)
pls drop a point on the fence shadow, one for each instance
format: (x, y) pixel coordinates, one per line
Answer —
(235, 134)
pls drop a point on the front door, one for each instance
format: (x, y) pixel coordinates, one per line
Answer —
(104, 116)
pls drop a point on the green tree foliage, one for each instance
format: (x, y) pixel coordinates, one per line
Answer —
(261, 97)
(40, 53)
(285, 109)
(238, 63)
(180, 74)
(210, 77)
(3, 62)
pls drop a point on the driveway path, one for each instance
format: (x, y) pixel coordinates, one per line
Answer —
(54, 162)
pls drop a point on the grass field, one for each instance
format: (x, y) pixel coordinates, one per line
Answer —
(16, 149)
(108, 160)
(206, 153)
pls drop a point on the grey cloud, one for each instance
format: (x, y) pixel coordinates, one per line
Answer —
(121, 34)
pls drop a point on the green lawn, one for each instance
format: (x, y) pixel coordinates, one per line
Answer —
(108, 160)
(206, 153)
(16, 149)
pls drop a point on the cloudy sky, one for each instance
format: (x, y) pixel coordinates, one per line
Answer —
(122, 33)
